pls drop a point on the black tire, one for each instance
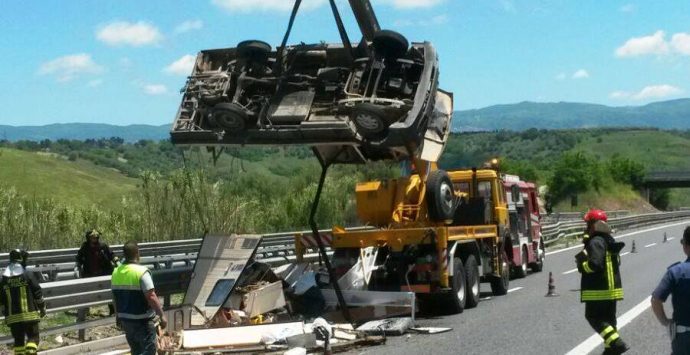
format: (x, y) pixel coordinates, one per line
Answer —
(390, 44)
(371, 120)
(230, 117)
(539, 265)
(254, 50)
(458, 285)
(440, 198)
(499, 285)
(473, 284)
(521, 270)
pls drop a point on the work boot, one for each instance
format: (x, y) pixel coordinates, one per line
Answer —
(619, 347)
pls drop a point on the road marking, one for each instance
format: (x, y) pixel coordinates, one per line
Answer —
(626, 253)
(485, 298)
(593, 341)
(514, 289)
(622, 235)
(672, 238)
(650, 245)
(570, 271)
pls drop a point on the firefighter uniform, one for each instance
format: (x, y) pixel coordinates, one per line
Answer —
(21, 296)
(601, 286)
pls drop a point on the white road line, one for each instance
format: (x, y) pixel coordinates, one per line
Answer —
(593, 341)
(672, 238)
(622, 236)
(485, 298)
(626, 253)
(570, 271)
(650, 245)
(514, 289)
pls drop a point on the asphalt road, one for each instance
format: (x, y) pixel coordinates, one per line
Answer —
(526, 322)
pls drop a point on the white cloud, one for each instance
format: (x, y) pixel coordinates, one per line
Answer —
(627, 8)
(581, 74)
(189, 26)
(411, 4)
(561, 76)
(155, 89)
(182, 66)
(681, 43)
(657, 92)
(95, 83)
(620, 95)
(68, 67)
(265, 5)
(120, 33)
(649, 92)
(637, 46)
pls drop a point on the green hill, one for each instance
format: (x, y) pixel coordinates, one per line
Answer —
(46, 175)
(674, 114)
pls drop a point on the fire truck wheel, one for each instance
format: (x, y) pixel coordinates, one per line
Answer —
(472, 270)
(458, 284)
(521, 271)
(539, 265)
(499, 285)
(440, 196)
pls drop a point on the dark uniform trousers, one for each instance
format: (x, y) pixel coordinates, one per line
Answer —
(681, 344)
(25, 336)
(601, 316)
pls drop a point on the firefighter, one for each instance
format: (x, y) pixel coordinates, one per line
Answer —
(23, 300)
(601, 285)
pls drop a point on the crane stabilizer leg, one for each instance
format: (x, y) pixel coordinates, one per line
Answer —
(322, 249)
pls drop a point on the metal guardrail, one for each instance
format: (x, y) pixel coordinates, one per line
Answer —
(554, 232)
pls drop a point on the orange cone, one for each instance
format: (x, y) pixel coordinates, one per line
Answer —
(552, 287)
(633, 250)
(665, 238)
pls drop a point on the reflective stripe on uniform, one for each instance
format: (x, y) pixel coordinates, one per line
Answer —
(606, 331)
(602, 295)
(611, 339)
(22, 317)
(587, 268)
(18, 350)
(24, 306)
(8, 307)
(609, 270)
(31, 348)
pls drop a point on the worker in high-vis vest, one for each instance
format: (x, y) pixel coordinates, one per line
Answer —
(136, 302)
(21, 296)
(600, 286)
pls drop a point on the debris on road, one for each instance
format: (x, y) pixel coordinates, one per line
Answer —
(393, 326)
(430, 330)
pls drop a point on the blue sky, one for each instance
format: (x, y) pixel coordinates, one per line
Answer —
(123, 62)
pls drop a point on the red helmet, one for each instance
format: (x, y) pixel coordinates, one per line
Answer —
(595, 215)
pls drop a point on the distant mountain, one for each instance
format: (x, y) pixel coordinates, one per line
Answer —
(82, 131)
(674, 114)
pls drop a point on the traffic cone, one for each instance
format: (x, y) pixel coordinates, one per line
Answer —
(552, 287)
(665, 238)
(633, 250)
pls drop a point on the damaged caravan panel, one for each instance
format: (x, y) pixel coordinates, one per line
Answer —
(376, 100)
(219, 265)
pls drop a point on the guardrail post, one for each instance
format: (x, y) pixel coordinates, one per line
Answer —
(81, 317)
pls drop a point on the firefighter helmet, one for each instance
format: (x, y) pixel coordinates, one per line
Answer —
(595, 215)
(18, 256)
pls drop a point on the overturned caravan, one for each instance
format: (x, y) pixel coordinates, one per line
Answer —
(372, 101)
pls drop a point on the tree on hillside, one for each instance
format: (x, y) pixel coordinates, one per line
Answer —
(626, 171)
(574, 173)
